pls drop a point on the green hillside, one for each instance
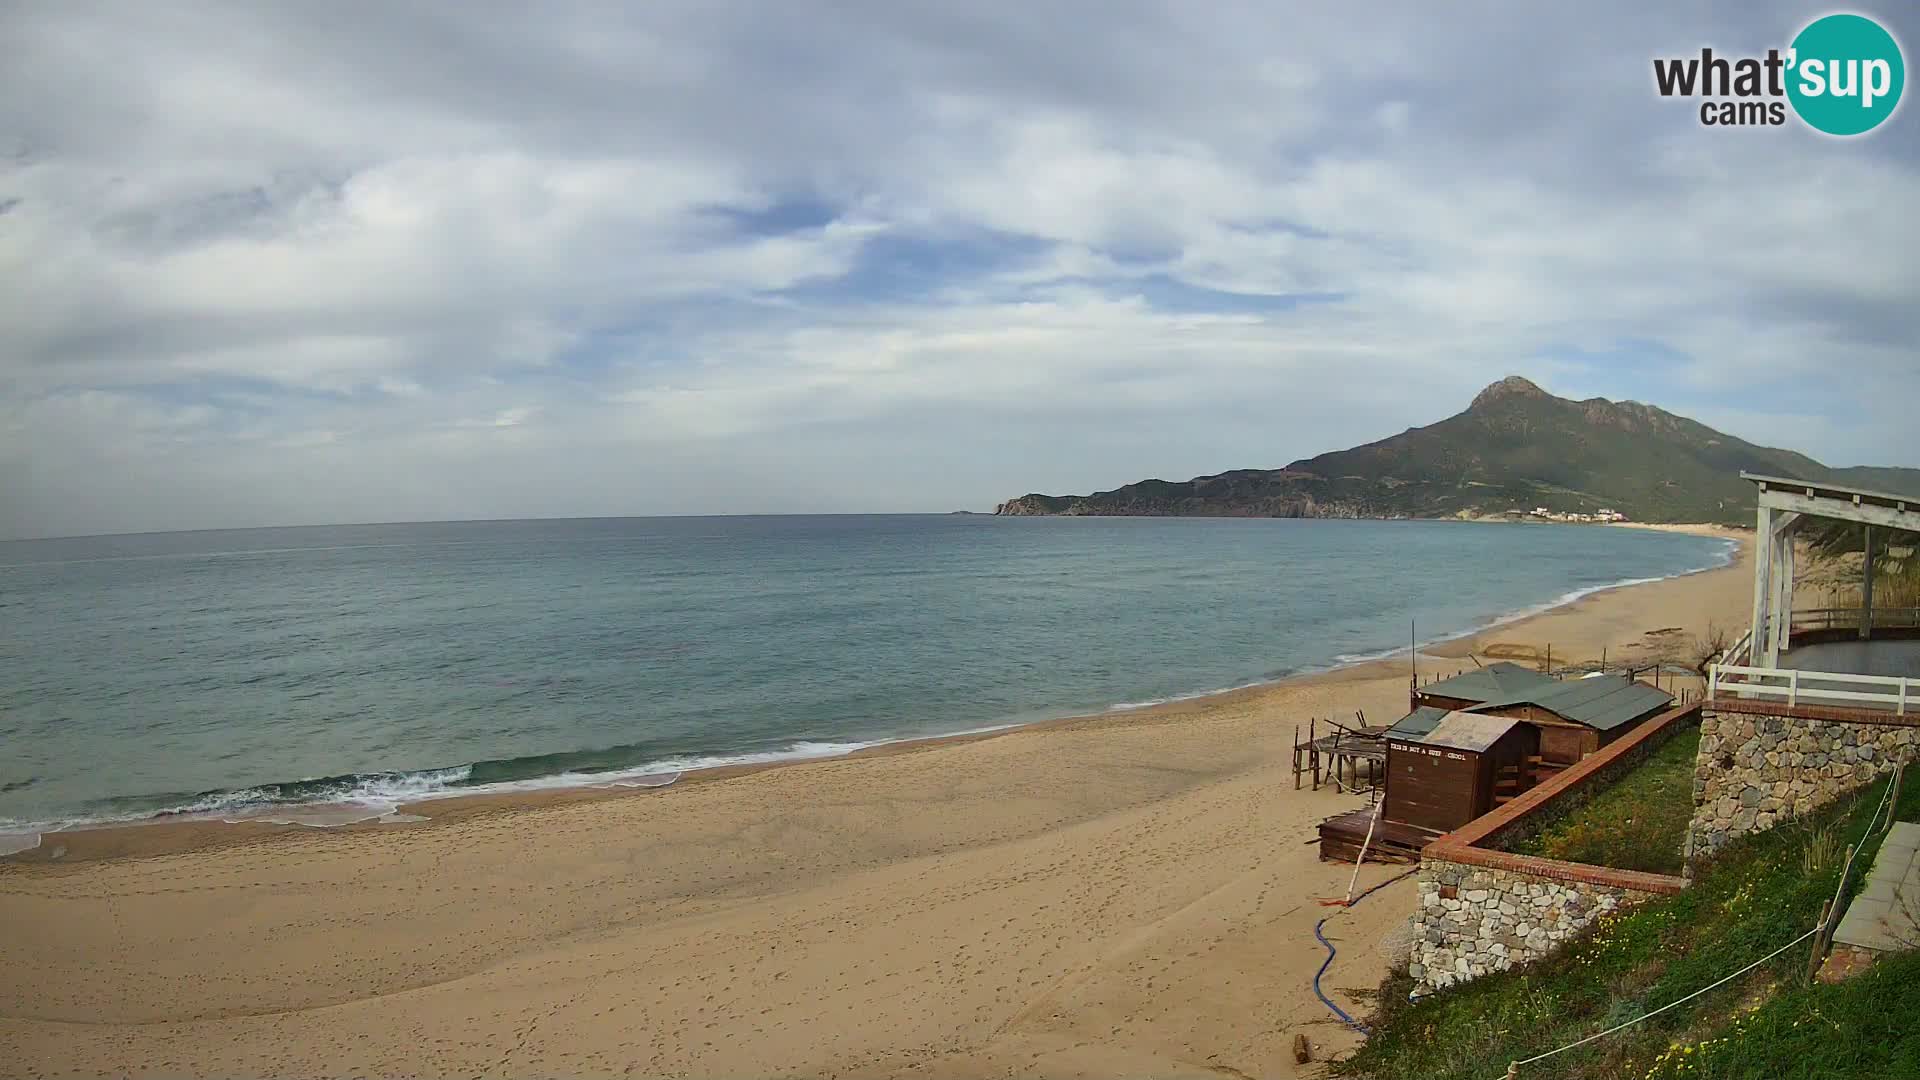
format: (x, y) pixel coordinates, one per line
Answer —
(1515, 447)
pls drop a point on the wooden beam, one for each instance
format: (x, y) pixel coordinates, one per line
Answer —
(1866, 588)
(1788, 562)
(1776, 575)
(1783, 552)
(1762, 566)
(1904, 516)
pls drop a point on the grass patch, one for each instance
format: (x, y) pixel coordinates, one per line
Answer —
(1639, 823)
(1761, 892)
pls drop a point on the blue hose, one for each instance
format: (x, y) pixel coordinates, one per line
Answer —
(1327, 1001)
(1328, 962)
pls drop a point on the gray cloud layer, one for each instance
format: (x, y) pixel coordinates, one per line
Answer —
(293, 263)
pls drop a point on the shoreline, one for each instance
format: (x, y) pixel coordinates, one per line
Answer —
(1127, 893)
(174, 832)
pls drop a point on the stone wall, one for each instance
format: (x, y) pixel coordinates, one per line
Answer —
(1482, 909)
(1755, 771)
(1473, 920)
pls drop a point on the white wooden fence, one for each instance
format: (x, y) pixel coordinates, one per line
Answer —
(1734, 677)
(1900, 695)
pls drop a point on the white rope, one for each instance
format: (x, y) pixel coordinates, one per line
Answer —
(1668, 1005)
(1855, 851)
(1884, 796)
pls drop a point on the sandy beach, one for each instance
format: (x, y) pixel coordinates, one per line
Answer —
(1133, 893)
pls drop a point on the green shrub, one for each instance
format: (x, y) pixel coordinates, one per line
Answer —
(1638, 823)
(1759, 893)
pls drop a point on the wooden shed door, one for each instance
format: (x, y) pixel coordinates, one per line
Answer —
(1431, 787)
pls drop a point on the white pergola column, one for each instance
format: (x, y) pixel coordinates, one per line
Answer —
(1782, 504)
(1866, 587)
(1762, 574)
(1780, 603)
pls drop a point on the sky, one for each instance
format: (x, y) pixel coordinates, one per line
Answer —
(289, 263)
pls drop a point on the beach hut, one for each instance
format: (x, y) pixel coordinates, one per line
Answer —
(1578, 716)
(1447, 767)
(1498, 681)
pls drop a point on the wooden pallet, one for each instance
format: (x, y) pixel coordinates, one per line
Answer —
(1393, 842)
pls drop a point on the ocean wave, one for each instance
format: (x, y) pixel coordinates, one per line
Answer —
(328, 802)
(1195, 695)
(12, 843)
(1729, 550)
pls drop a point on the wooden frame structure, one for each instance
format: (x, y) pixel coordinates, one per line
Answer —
(1749, 677)
(1341, 750)
(1447, 777)
(1782, 505)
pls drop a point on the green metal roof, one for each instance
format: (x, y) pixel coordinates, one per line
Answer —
(1601, 702)
(1416, 724)
(1496, 681)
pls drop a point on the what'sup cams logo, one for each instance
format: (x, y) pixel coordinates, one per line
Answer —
(1842, 75)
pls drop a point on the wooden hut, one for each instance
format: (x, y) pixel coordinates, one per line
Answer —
(1478, 739)
(1578, 716)
(1497, 681)
(1440, 778)
(1443, 769)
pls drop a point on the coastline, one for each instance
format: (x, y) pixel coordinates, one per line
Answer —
(169, 833)
(1128, 893)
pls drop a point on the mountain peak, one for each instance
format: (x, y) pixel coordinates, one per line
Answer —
(1511, 386)
(1517, 448)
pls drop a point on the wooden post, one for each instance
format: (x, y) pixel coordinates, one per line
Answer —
(1364, 845)
(1789, 557)
(1313, 749)
(1413, 664)
(1819, 942)
(1866, 589)
(1893, 799)
(1296, 757)
(1762, 568)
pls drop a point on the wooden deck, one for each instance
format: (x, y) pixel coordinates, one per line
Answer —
(1340, 755)
(1342, 835)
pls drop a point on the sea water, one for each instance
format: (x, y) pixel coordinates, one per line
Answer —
(330, 674)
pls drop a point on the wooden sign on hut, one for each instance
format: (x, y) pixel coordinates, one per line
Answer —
(1445, 768)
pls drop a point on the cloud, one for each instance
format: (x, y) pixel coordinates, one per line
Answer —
(263, 265)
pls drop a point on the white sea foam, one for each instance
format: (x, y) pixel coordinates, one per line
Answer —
(1724, 557)
(1130, 706)
(380, 798)
(12, 843)
(319, 815)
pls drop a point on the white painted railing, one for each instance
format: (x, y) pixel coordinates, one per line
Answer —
(1794, 687)
(1850, 618)
(1741, 651)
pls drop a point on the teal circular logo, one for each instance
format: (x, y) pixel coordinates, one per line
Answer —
(1845, 74)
